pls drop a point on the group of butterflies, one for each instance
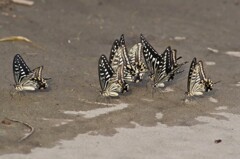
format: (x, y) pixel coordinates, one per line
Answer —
(126, 66)
(123, 67)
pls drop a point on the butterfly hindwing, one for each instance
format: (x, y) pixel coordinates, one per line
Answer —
(42, 83)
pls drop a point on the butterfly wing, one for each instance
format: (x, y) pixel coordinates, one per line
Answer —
(160, 74)
(20, 69)
(105, 71)
(37, 77)
(167, 61)
(120, 79)
(174, 66)
(191, 73)
(133, 54)
(38, 73)
(152, 58)
(202, 72)
(114, 57)
(195, 84)
(126, 62)
(122, 40)
(208, 83)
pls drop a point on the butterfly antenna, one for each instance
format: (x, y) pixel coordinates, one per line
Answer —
(47, 78)
(216, 82)
(179, 57)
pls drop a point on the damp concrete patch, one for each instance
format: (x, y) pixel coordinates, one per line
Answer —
(97, 112)
(57, 122)
(213, 100)
(210, 63)
(167, 89)
(233, 53)
(221, 108)
(238, 84)
(212, 50)
(161, 141)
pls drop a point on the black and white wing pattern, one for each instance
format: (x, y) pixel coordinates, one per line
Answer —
(108, 83)
(42, 83)
(115, 57)
(157, 63)
(207, 81)
(135, 58)
(119, 56)
(153, 60)
(162, 73)
(195, 83)
(120, 79)
(122, 40)
(23, 76)
(20, 69)
(128, 68)
(174, 66)
(26, 79)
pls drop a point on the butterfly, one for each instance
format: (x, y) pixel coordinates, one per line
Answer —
(172, 66)
(111, 83)
(26, 79)
(162, 67)
(197, 82)
(119, 56)
(135, 58)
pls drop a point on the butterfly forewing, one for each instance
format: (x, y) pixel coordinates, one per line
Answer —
(122, 40)
(169, 59)
(190, 74)
(152, 58)
(105, 71)
(20, 69)
(115, 46)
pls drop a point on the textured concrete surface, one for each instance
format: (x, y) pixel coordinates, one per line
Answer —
(70, 37)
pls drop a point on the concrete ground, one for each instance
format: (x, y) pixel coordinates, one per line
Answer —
(72, 121)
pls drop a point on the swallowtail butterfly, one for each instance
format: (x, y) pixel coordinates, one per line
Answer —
(197, 81)
(26, 79)
(163, 66)
(110, 83)
(135, 58)
(172, 67)
(119, 56)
